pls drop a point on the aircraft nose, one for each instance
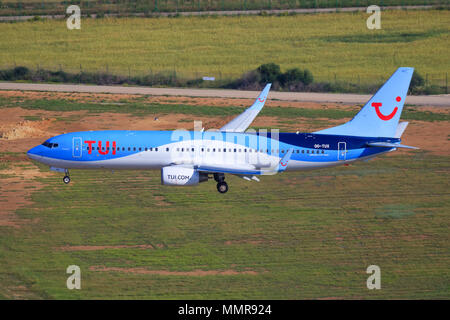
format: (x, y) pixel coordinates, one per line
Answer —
(34, 153)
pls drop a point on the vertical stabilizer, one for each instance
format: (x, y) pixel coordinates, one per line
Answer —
(381, 114)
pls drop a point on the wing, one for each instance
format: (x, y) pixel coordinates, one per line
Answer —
(248, 170)
(243, 121)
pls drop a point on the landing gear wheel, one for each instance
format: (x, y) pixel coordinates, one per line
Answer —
(222, 187)
(66, 179)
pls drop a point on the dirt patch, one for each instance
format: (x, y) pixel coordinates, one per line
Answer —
(96, 248)
(194, 273)
(24, 129)
(255, 242)
(16, 187)
(198, 101)
(429, 136)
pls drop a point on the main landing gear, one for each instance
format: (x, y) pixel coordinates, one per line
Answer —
(66, 178)
(222, 186)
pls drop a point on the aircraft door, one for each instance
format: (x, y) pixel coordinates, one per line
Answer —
(342, 151)
(76, 147)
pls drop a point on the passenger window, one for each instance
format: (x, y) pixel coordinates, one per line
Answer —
(134, 148)
(234, 150)
(214, 149)
(224, 150)
(303, 151)
(323, 151)
(156, 149)
(167, 149)
(140, 149)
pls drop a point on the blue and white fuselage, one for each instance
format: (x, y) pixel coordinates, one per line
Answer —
(190, 157)
(123, 149)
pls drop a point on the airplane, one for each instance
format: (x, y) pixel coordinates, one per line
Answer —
(188, 158)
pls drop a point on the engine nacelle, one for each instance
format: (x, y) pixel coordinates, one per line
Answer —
(179, 176)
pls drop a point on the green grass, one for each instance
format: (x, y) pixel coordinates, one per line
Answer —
(307, 234)
(225, 47)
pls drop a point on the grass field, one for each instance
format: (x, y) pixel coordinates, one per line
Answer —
(294, 235)
(333, 46)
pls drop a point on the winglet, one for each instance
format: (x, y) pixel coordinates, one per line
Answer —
(243, 121)
(282, 165)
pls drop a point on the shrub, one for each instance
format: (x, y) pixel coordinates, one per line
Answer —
(308, 77)
(416, 80)
(20, 72)
(291, 76)
(269, 72)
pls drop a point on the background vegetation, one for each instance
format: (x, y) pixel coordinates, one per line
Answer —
(336, 48)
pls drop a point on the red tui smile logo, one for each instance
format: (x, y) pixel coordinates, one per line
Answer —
(377, 106)
(262, 99)
(283, 164)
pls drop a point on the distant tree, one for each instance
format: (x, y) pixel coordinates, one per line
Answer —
(20, 72)
(291, 76)
(416, 80)
(308, 77)
(269, 72)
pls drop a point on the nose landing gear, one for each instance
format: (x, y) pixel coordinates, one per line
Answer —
(66, 178)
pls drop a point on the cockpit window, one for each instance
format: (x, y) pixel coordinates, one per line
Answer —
(50, 145)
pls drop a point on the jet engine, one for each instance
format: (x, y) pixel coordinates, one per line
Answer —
(181, 176)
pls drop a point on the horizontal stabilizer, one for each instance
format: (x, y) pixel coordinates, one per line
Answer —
(389, 145)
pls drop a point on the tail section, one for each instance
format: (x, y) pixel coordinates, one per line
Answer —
(381, 114)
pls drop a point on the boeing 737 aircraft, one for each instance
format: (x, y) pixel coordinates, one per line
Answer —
(187, 158)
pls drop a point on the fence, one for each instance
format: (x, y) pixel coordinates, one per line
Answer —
(53, 7)
(434, 83)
